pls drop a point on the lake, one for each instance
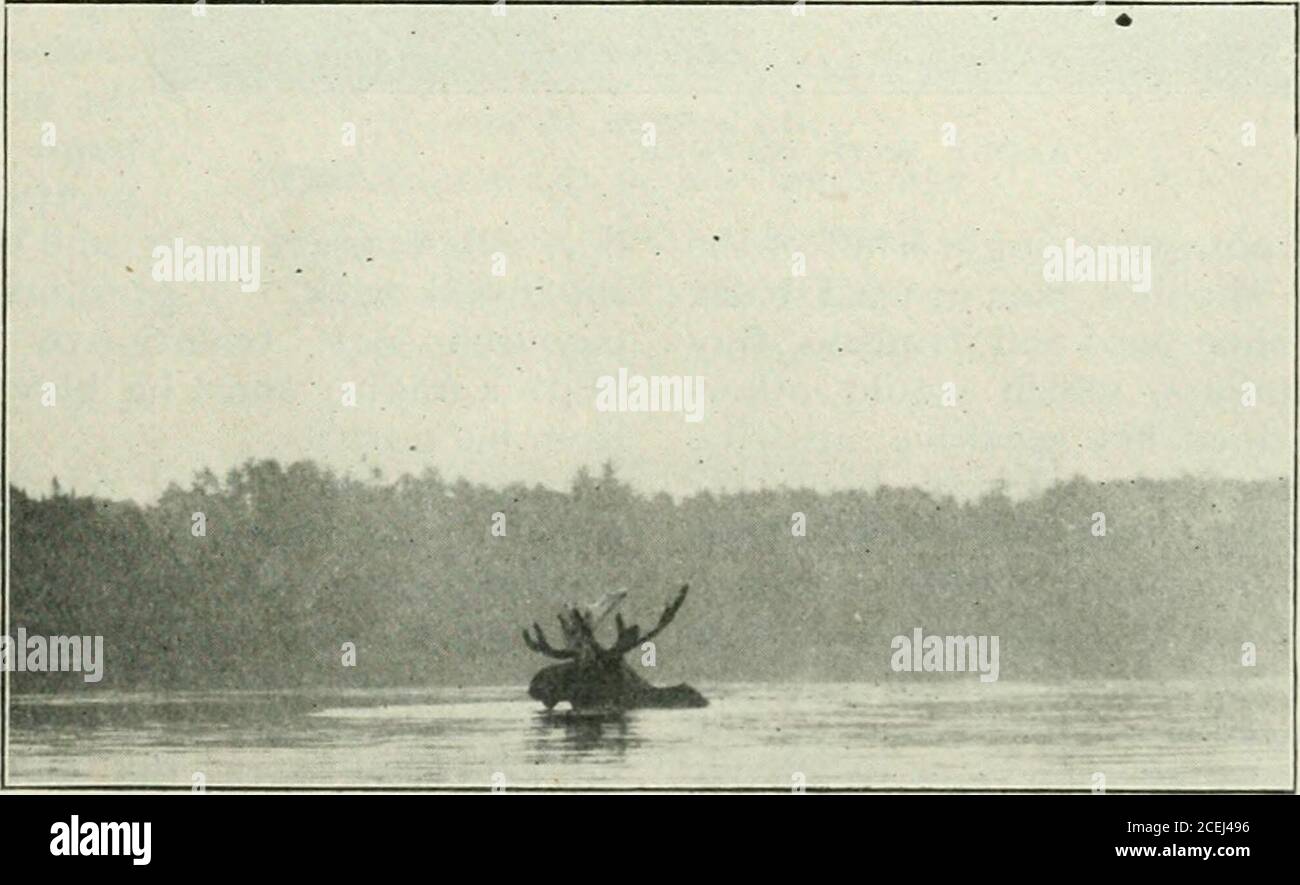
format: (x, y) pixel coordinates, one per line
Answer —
(1139, 735)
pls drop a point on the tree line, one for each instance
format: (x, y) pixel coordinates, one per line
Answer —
(259, 579)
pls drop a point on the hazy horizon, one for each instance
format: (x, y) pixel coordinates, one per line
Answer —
(1014, 493)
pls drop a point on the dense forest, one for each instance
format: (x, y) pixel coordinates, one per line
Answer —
(293, 562)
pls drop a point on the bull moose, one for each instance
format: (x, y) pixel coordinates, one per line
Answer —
(595, 678)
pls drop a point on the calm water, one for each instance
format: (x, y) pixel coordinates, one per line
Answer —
(1140, 735)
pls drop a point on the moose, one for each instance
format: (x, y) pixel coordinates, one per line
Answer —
(594, 678)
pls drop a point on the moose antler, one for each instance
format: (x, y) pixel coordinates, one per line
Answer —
(580, 639)
(541, 646)
(579, 632)
(630, 637)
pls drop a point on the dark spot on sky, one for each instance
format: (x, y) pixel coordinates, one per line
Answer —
(1123, 21)
(717, 239)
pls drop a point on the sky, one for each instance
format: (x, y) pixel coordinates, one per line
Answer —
(525, 136)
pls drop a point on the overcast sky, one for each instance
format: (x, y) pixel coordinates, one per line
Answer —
(774, 134)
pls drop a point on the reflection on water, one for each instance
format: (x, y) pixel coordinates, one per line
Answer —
(1140, 735)
(562, 733)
